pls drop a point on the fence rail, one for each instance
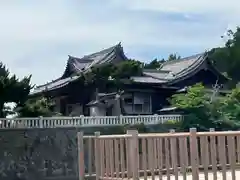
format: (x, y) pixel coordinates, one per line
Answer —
(194, 155)
(84, 121)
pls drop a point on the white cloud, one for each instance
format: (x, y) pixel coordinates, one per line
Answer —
(226, 11)
(184, 6)
(37, 36)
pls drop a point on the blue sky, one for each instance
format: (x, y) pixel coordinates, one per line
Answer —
(36, 37)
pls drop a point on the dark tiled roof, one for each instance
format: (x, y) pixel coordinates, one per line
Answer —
(180, 65)
(184, 67)
(146, 79)
(54, 85)
(171, 71)
(75, 66)
(102, 98)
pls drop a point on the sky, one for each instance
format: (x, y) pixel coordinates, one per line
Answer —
(36, 37)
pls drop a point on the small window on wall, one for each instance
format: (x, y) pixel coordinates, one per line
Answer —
(128, 100)
(138, 108)
(142, 103)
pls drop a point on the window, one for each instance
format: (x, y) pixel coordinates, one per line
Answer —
(142, 103)
(128, 100)
(138, 108)
(138, 103)
(147, 104)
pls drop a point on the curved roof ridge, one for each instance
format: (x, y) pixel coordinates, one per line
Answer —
(88, 60)
(76, 65)
(182, 59)
(107, 51)
(55, 80)
(71, 58)
(39, 86)
(102, 51)
(156, 70)
(148, 74)
(198, 61)
(201, 59)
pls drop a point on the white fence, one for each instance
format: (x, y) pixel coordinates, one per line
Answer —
(84, 121)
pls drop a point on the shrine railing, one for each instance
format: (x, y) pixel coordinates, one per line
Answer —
(85, 121)
(189, 155)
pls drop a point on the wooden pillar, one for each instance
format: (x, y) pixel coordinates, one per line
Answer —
(194, 153)
(97, 155)
(134, 153)
(81, 163)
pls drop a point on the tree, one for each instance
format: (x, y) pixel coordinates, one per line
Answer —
(154, 64)
(174, 56)
(126, 69)
(12, 89)
(231, 106)
(35, 107)
(100, 77)
(227, 58)
(203, 113)
(193, 103)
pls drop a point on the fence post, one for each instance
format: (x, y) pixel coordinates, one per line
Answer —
(213, 152)
(120, 119)
(194, 153)
(134, 153)
(81, 120)
(81, 163)
(97, 154)
(156, 119)
(41, 121)
(173, 151)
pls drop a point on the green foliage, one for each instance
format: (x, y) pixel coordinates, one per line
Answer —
(36, 107)
(126, 69)
(168, 125)
(195, 97)
(222, 113)
(194, 102)
(116, 74)
(112, 73)
(140, 127)
(172, 57)
(155, 64)
(231, 106)
(12, 89)
(227, 58)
